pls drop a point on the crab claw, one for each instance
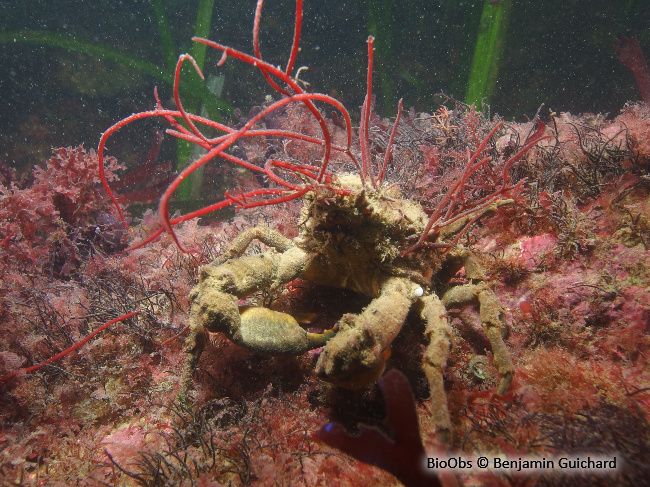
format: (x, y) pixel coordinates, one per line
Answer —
(277, 333)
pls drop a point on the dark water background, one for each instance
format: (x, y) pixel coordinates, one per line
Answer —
(557, 52)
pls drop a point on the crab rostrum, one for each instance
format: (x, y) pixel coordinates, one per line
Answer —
(355, 241)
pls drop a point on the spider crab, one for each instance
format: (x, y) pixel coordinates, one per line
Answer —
(356, 231)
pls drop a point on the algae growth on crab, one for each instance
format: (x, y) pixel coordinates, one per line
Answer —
(500, 263)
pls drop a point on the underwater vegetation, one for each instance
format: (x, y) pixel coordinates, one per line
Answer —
(121, 58)
(631, 55)
(559, 54)
(516, 254)
(196, 92)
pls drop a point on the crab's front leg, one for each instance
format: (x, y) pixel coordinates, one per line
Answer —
(357, 354)
(215, 308)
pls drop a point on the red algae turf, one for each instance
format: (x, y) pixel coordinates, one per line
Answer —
(107, 414)
(568, 258)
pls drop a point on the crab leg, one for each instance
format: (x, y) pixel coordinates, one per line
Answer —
(493, 321)
(438, 333)
(357, 354)
(215, 302)
(269, 237)
(434, 361)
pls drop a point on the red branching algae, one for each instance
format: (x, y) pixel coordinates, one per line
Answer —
(630, 54)
(402, 455)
